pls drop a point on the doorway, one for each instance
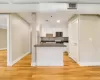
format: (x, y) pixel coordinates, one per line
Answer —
(3, 40)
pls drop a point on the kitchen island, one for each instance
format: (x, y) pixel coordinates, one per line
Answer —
(49, 54)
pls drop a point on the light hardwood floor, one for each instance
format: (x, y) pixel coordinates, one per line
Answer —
(3, 58)
(23, 70)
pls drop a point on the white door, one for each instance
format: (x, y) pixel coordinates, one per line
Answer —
(73, 39)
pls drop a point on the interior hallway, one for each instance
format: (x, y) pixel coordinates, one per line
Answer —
(23, 71)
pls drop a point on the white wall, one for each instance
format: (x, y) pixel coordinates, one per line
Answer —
(89, 40)
(3, 39)
(52, 29)
(19, 37)
(3, 31)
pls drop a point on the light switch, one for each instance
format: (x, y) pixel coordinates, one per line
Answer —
(90, 39)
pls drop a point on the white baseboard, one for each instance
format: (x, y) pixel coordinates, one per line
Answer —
(15, 61)
(52, 64)
(39, 64)
(33, 64)
(3, 48)
(89, 63)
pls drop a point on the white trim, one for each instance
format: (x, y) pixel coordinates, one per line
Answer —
(9, 58)
(3, 48)
(33, 64)
(30, 41)
(53, 64)
(72, 58)
(89, 63)
(15, 61)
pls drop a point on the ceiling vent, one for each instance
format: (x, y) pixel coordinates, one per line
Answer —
(72, 6)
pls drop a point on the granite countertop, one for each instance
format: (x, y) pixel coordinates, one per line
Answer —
(50, 45)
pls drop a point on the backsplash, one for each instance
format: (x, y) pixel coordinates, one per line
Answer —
(54, 39)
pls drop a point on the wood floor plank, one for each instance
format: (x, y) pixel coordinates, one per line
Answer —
(3, 58)
(23, 70)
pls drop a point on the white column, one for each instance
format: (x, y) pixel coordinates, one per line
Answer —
(33, 25)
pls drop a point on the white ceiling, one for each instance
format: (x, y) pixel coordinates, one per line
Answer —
(43, 16)
(62, 16)
(37, 1)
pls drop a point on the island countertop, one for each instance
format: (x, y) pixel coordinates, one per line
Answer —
(49, 54)
(50, 45)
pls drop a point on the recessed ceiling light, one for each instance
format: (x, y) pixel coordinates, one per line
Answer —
(58, 21)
